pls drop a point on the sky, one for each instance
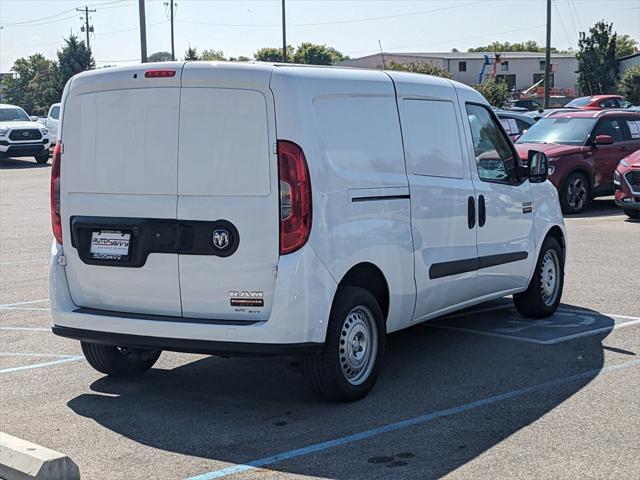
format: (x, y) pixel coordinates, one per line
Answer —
(353, 27)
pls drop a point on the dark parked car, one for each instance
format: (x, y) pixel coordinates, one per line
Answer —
(515, 124)
(583, 148)
(527, 104)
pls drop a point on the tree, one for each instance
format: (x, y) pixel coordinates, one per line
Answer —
(528, 46)
(74, 58)
(625, 45)
(496, 92)
(241, 58)
(34, 84)
(424, 68)
(159, 57)
(272, 54)
(597, 64)
(211, 55)
(191, 54)
(316, 54)
(629, 85)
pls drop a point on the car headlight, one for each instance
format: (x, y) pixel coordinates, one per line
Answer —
(616, 177)
(624, 163)
(3, 131)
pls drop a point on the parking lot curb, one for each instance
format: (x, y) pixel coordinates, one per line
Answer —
(22, 460)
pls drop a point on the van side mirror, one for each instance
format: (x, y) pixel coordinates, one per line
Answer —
(33, 118)
(538, 167)
(604, 140)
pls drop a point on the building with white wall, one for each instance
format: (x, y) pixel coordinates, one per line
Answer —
(519, 69)
(628, 62)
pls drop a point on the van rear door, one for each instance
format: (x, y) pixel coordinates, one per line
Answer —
(228, 191)
(119, 190)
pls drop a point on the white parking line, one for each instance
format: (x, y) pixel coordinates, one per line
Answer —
(30, 309)
(28, 329)
(409, 422)
(73, 358)
(17, 262)
(29, 302)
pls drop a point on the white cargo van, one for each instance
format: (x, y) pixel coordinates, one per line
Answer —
(236, 209)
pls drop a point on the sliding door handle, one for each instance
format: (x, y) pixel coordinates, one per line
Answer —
(482, 211)
(471, 212)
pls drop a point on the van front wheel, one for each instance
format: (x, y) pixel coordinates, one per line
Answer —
(542, 297)
(351, 359)
(119, 361)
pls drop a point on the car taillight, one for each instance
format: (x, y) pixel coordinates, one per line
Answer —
(295, 197)
(56, 220)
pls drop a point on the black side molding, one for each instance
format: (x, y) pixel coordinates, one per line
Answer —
(380, 197)
(164, 318)
(226, 349)
(455, 267)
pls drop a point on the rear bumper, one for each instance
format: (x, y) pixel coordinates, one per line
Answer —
(297, 324)
(189, 345)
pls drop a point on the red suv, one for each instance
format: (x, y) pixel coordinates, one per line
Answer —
(627, 181)
(583, 148)
(597, 102)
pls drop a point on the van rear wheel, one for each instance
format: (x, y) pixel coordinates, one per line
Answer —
(352, 356)
(119, 361)
(542, 297)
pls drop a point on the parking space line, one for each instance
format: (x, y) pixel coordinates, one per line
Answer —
(34, 354)
(17, 262)
(29, 309)
(29, 302)
(73, 358)
(28, 329)
(391, 427)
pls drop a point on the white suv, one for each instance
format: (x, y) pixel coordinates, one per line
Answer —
(21, 135)
(232, 208)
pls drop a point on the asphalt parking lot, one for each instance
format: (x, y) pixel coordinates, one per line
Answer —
(480, 394)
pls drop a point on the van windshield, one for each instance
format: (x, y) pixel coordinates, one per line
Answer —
(13, 115)
(562, 130)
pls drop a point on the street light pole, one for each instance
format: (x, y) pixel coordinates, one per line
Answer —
(547, 62)
(143, 32)
(284, 34)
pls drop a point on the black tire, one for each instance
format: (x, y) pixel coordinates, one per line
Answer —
(635, 214)
(575, 193)
(327, 373)
(536, 302)
(119, 362)
(43, 157)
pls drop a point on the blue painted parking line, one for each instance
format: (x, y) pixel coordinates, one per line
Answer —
(391, 427)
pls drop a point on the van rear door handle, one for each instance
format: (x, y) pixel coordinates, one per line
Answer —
(471, 212)
(482, 211)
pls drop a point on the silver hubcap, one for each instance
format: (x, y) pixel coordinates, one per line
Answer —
(576, 193)
(358, 345)
(549, 277)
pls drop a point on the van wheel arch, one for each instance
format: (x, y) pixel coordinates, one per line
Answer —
(368, 276)
(556, 232)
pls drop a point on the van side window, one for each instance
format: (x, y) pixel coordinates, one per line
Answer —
(494, 157)
(432, 138)
(55, 112)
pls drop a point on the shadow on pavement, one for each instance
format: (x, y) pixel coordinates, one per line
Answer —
(21, 163)
(238, 410)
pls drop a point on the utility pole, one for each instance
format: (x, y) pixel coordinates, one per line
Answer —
(171, 4)
(143, 32)
(86, 28)
(547, 57)
(284, 34)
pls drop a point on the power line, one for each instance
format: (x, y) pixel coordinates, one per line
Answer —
(562, 24)
(88, 29)
(335, 22)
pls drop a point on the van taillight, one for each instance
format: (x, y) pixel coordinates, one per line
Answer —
(295, 197)
(56, 220)
(160, 73)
